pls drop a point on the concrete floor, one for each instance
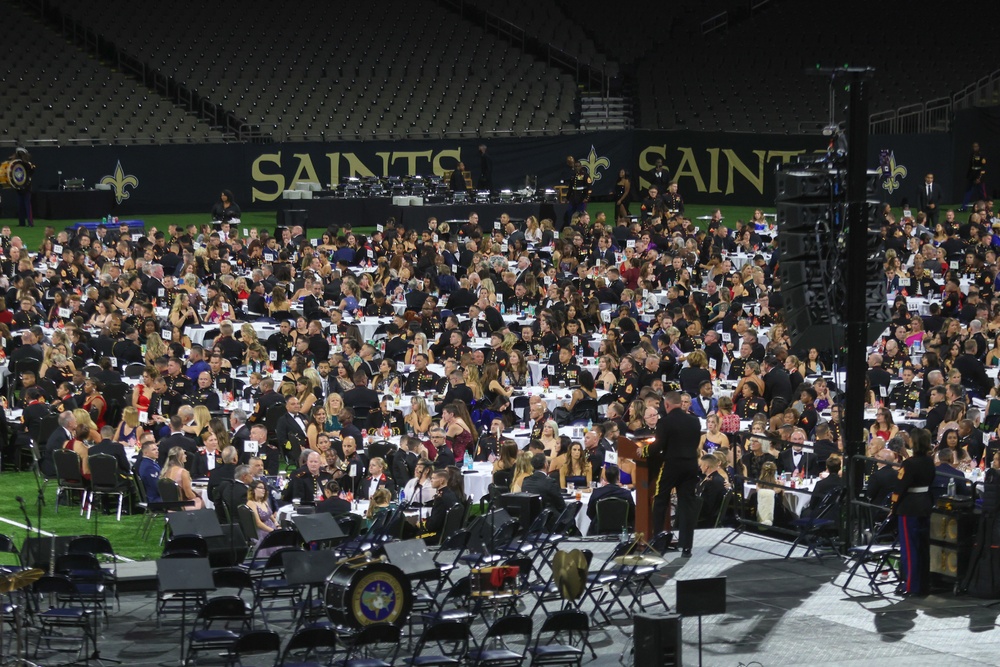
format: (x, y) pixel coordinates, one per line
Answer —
(779, 612)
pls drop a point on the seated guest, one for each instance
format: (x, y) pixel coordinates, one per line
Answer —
(333, 504)
(418, 491)
(883, 480)
(376, 479)
(543, 485)
(307, 482)
(610, 489)
(828, 484)
(944, 472)
(444, 500)
(711, 489)
(149, 469)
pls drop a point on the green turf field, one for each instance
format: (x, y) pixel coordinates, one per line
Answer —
(124, 535)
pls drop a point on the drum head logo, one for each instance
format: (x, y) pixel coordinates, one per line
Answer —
(378, 599)
(119, 181)
(19, 176)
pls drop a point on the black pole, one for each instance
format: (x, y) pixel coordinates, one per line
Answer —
(857, 251)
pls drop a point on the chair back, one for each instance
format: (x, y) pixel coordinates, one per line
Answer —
(69, 468)
(135, 370)
(95, 545)
(104, 476)
(585, 410)
(255, 642)
(613, 514)
(46, 427)
(169, 491)
(248, 526)
(194, 545)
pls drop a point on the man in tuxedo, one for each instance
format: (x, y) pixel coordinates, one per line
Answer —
(541, 484)
(223, 471)
(705, 403)
(673, 458)
(114, 449)
(59, 437)
(458, 393)
(314, 306)
(823, 447)
(776, 381)
(291, 429)
(794, 459)
(610, 489)
(241, 430)
(929, 199)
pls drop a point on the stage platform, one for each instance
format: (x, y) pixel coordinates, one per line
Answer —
(780, 612)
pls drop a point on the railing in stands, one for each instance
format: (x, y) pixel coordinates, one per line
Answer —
(935, 115)
(592, 78)
(715, 23)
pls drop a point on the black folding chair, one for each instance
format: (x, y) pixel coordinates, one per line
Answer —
(877, 558)
(311, 647)
(105, 480)
(69, 473)
(572, 624)
(613, 514)
(254, 643)
(72, 613)
(818, 530)
(226, 611)
(439, 642)
(495, 648)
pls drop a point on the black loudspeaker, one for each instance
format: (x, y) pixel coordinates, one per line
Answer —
(657, 640)
(37, 551)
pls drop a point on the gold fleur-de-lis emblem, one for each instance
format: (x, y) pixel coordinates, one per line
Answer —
(593, 164)
(119, 180)
(892, 173)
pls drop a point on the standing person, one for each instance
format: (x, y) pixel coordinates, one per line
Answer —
(485, 169)
(226, 209)
(929, 199)
(977, 170)
(912, 503)
(623, 193)
(457, 183)
(25, 218)
(674, 459)
(579, 190)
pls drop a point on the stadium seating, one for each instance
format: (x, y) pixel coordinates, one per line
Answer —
(306, 69)
(52, 91)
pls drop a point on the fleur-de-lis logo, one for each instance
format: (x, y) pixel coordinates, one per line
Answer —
(119, 180)
(593, 164)
(891, 172)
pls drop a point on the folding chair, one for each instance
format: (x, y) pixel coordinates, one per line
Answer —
(105, 481)
(225, 610)
(613, 514)
(271, 585)
(572, 623)
(72, 614)
(439, 642)
(877, 558)
(814, 530)
(311, 647)
(69, 473)
(253, 643)
(600, 585)
(494, 649)
(362, 646)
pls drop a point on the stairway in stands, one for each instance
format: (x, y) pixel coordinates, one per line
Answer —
(605, 113)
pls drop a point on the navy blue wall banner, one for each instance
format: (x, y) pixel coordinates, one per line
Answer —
(910, 158)
(710, 167)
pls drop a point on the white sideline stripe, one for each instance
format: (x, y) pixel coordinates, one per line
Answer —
(48, 534)
(21, 525)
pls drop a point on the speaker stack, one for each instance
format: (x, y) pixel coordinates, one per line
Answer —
(813, 263)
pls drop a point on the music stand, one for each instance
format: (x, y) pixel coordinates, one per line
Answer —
(701, 597)
(411, 556)
(202, 522)
(310, 569)
(482, 530)
(184, 576)
(320, 527)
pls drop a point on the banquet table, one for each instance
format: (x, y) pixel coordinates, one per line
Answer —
(797, 496)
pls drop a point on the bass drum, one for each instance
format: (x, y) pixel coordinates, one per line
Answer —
(14, 174)
(368, 593)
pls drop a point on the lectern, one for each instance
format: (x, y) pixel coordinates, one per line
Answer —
(644, 490)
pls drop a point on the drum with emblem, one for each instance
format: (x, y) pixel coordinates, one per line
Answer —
(14, 174)
(360, 594)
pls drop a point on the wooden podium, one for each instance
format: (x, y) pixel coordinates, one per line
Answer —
(629, 449)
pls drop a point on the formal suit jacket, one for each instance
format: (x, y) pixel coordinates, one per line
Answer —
(822, 450)
(290, 433)
(608, 491)
(189, 446)
(808, 463)
(459, 394)
(546, 487)
(240, 436)
(881, 484)
(925, 199)
(222, 473)
(404, 464)
(698, 409)
(56, 441)
(777, 384)
(944, 473)
(822, 488)
(115, 449)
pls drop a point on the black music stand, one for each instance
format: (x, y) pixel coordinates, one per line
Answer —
(484, 528)
(701, 597)
(411, 556)
(201, 522)
(320, 527)
(311, 569)
(184, 575)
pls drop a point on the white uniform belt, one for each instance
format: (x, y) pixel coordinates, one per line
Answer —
(919, 489)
